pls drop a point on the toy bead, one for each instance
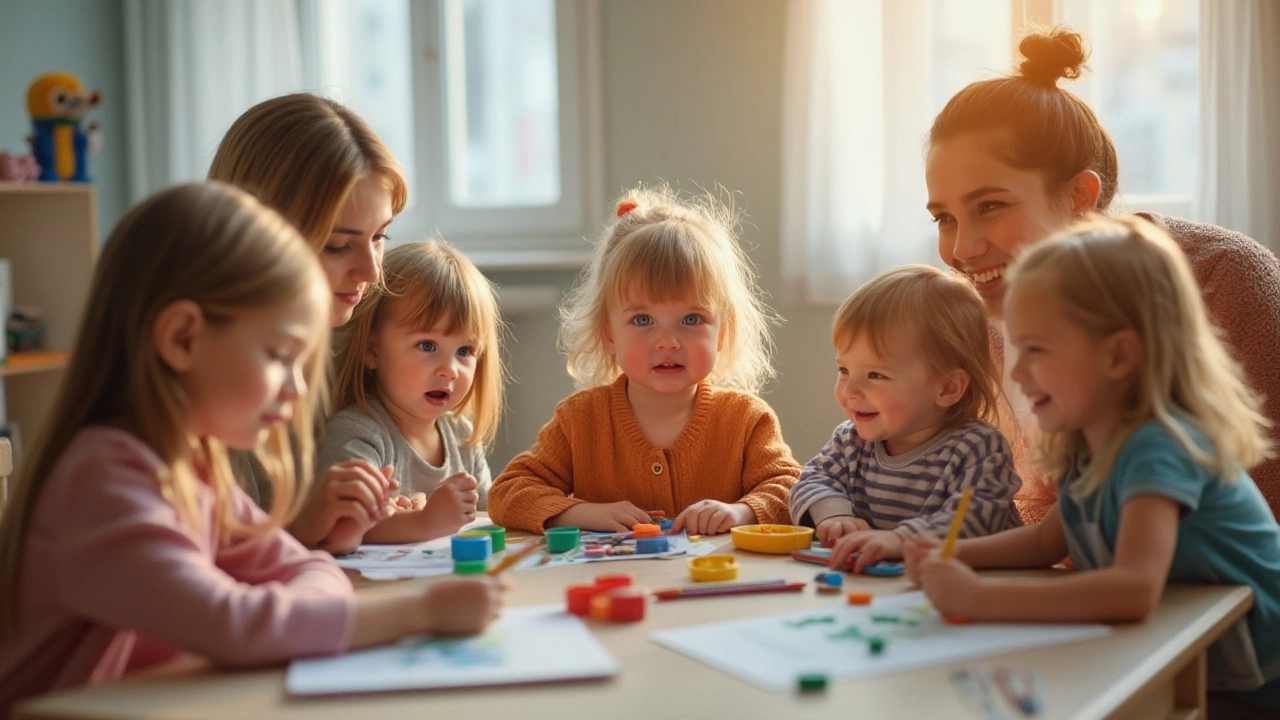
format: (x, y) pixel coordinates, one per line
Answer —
(812, 682)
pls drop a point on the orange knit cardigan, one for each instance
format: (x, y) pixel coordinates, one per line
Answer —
(1240, 283)
(593, 450)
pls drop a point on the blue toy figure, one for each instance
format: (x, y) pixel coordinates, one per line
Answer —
(57, 101)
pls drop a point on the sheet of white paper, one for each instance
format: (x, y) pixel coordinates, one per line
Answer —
(394, 562)
(378, 562)
(678, 545)
(773, 651)
(528, 644)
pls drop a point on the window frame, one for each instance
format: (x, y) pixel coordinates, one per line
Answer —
(534, 237)
(1046, 13)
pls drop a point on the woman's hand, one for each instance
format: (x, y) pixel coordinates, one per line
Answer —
(351, 497)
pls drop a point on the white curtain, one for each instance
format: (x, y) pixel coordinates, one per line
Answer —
(1240, 117)
(191, 69)
(862, 83)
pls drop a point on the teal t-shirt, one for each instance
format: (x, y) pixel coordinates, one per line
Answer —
(1226, 535)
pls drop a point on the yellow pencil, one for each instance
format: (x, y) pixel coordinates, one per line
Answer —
(511, 558)
(950, 546)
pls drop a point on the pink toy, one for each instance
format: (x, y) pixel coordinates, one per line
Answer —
(18, 167)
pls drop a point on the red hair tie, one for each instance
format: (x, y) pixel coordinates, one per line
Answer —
(625, 207)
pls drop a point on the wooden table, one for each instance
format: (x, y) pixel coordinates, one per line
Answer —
(1153, 669)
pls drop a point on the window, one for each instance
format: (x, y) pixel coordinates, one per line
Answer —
(491, 106)
(864, 81)
(1144, 86)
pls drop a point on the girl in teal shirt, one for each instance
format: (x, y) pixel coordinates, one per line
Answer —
(1150, 427)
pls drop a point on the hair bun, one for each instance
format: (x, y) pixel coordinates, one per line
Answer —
(1052, 54)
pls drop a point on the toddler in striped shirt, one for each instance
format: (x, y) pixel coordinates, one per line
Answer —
(915, 378)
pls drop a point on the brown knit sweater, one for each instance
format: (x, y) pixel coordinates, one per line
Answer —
(1240, 283)
(593, 450)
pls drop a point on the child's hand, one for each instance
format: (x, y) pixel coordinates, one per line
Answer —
(914, 551)
(353, 490)
(413, 502)
(712, 517)
(451, 505)
(601, 517)
(463, 606)
(834, 528)
(952, 587)
(872, 546)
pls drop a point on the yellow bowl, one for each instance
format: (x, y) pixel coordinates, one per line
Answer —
(773, 539)
(713, 568)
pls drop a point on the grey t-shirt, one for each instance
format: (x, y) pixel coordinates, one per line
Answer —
(351, 434)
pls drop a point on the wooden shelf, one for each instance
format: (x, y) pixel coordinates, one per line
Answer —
(34, 362)
(45, 188)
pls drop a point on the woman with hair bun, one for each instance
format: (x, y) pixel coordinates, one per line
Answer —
(1011, 160)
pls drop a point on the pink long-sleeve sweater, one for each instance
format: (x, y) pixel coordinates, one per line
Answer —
(112, 580)
(1239, 280)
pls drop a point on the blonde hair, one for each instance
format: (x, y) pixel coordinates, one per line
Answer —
(210, 244)
(948, 319)
(301, 154)
(1127, 274)
(435, 282)
(667, 248)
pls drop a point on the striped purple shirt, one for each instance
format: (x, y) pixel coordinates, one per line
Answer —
(916, 491)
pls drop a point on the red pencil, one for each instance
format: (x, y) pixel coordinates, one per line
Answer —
(695, 592)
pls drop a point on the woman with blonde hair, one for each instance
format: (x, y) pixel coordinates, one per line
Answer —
(326, 171)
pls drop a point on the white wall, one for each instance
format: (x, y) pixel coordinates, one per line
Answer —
(693, 95)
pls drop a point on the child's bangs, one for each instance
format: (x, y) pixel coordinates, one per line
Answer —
(662, 267)
(445, 298)
(877, 319)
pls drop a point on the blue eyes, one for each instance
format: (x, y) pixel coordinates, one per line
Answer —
(647, 320)
(843, 372)
(431, 346)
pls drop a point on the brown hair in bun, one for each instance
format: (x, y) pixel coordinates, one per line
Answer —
(1054, 53)
(1038, 125)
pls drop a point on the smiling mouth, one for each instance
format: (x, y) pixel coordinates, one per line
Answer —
(864, 416)
(986, 276)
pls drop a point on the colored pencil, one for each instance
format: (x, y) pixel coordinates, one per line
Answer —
(676, 593)
(735, 583)
(950, 546)
(511, 558)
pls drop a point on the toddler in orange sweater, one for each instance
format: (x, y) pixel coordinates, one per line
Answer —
(668, 333)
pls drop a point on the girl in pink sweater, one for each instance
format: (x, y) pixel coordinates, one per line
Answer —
(127, 541)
